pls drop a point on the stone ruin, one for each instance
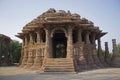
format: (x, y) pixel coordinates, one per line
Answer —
(58, 41)
(4, 50)
(116, 56)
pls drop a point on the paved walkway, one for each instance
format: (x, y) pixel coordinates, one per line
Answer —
(16, 73)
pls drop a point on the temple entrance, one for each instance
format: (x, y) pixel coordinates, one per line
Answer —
(59, 44)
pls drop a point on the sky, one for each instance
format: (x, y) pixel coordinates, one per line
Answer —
(15, 14)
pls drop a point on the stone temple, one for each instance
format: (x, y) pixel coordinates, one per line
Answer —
(4, 50)
(59, 41)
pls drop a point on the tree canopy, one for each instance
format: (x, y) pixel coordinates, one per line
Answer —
(118, 46)
(15, 51)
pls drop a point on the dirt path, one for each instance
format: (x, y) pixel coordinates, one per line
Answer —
(16, 73)
(13, 70)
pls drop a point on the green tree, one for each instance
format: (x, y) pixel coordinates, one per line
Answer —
(15, 51)
(118, 46)
(111, 54)
(60, 50)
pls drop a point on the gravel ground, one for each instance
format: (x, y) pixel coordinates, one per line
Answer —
(16, 73)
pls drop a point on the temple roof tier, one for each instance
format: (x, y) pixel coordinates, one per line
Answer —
(54, 18)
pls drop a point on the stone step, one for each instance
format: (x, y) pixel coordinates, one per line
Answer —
(59, 70)
(50, 65)
(58, 59)
(59, 65)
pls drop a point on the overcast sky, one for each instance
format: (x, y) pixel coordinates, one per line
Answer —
(14, 14)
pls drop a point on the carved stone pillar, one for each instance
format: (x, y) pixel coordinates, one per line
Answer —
(100, 55)
(115, 50)
(47, 44)
(79, 36)
(25, 58)
(26, 40)
(37, 60)
(24, 55)
(22, 51)
(107, 56)
(38, 37)
(93, 38)
(51, 49)
(31, 39)
(116, 56)
(87, 38)
(99, 49)
(30, 60)
(69, 43)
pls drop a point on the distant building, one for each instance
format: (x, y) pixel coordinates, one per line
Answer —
(58, 41)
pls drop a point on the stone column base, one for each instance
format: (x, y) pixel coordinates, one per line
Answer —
(29, 62)
(116, 61)
(37, 64)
